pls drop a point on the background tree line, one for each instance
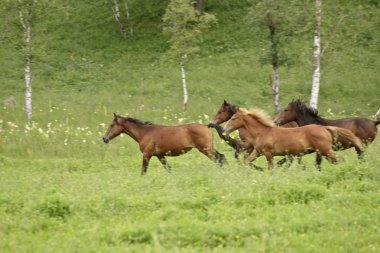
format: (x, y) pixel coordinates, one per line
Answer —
(185, 27)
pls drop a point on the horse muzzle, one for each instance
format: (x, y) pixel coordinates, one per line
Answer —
(106, 140)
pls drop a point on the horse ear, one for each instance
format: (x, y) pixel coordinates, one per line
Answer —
(225, 102)
(114, 114)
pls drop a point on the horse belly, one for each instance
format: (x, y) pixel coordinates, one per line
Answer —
(291, 146)
(174, 148)
(172, 152)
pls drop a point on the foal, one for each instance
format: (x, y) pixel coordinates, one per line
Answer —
(161, 141)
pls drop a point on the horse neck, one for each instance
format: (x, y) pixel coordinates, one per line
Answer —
(134, 130)
(307, 119)
(254, 127)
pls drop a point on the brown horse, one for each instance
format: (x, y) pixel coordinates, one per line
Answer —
(225, 112)
(270, 140)
(161, 141)
(299, 112)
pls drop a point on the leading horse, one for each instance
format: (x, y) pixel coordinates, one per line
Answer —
(270, 140)
(299, 112)
(161, 141)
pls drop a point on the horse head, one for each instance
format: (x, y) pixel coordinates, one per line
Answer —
(114, 129)
(224, 113)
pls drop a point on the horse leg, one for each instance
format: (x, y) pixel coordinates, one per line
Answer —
(269, 157)
(282, 161)
(213, 155)
(360, 153)
(299, 161)
(146, 159)
(164, 162)
(318, 161)
(289, 160)
(220, 158)
(331, 156)
(251, 157)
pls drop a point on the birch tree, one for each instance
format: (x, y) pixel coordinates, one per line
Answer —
(184, 24)
(25, 15)
(316, 55)
(119, 20)
(280, 20)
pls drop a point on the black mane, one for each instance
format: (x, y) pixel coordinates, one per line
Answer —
(304, 109)
(310, 115)
(136, 121)
(230, 107)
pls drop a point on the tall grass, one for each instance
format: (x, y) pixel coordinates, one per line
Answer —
(103, 204)
(63, 190)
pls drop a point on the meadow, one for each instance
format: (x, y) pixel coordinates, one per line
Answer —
(63, 190)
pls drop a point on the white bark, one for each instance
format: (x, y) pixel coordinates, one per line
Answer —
(116, 13)
(378, 115)
(27, 26)
(185, 97)
(276, 90)
(316, 57)
(129, 21)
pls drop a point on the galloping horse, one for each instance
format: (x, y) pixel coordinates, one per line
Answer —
(225, 112)
(297, 111)
(161, 141)
(270, 140)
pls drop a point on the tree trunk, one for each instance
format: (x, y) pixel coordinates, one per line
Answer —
(275, 66)
(185, 97)
(116, 13)
(27, 26)
(129, 21)
(198, 4)
(276, 89)
(316, 56)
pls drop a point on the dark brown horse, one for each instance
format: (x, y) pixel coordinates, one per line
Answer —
(161, 141)
(299, 112)
(270, 140)
(225, 112)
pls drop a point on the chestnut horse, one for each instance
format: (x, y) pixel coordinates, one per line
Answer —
(161, 141)
(299, 112)
(224, 113)
(270, 140)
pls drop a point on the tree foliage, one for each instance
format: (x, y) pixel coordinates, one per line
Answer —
(278, 22)
(184, 24)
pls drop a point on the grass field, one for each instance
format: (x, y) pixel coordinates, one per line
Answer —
(63, 190)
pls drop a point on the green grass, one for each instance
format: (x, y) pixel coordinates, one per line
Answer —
(63, 190)
(67, 204)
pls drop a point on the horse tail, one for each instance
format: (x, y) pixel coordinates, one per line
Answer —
(377, 121)
(235, 144)
(338, 133)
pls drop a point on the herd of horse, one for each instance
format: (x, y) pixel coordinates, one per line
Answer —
(295, 131)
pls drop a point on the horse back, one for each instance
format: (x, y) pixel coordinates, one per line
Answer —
(363, 128)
